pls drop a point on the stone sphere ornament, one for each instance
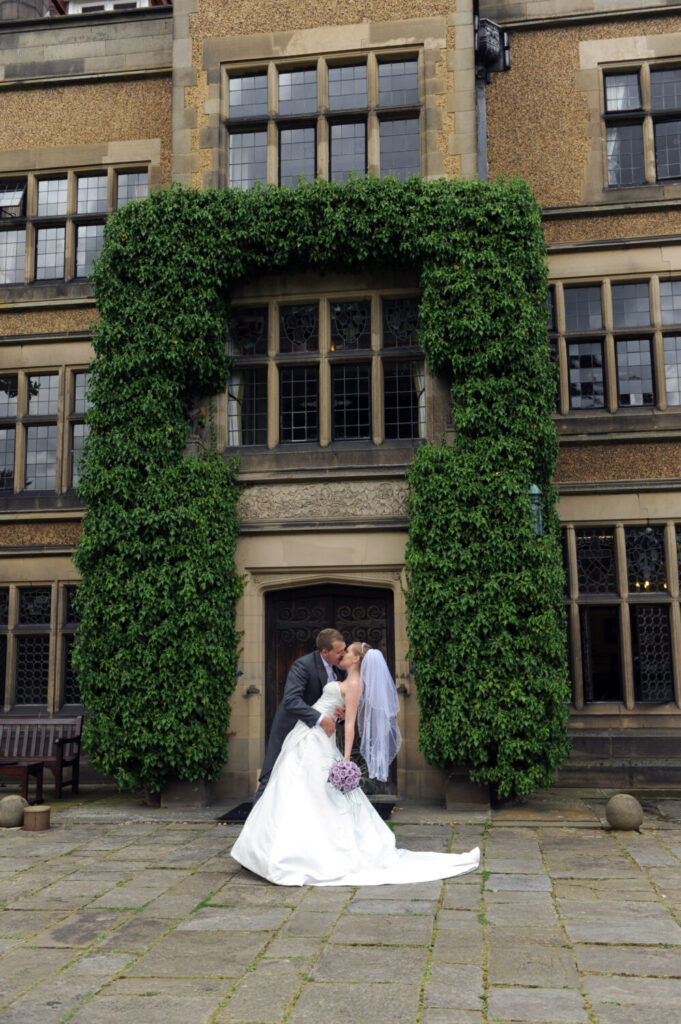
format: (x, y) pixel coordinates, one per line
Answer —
(12, 811)
(624, 812)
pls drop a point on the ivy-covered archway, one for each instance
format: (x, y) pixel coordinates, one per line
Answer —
(157, 648)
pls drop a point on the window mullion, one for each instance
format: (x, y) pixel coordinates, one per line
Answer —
(649, 150)
(322, 143)
(272, 153)
(52, 704)
(324, 397)
(272, 376)
(373, 145)
(20, 439)
(625, 618)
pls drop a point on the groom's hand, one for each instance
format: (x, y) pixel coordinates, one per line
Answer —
(339, 713)
(328, 724)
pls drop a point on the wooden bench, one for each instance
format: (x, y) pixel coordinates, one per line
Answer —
(53, 741)
(22, 771)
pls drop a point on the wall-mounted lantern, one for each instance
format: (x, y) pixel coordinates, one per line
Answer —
(535, 504)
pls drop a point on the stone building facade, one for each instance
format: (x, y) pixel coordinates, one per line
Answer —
(330, 394)
(590, 115)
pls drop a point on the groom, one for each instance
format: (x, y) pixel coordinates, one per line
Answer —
(304, 684)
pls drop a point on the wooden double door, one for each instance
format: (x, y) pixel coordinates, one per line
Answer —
(294, 617)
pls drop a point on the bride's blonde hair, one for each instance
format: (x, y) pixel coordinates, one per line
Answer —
(360, 648)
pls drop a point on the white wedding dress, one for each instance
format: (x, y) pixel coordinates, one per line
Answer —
(303, 832)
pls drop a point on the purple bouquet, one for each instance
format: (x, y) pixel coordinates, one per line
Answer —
(345, 776)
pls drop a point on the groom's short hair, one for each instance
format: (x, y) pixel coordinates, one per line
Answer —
(326, 638)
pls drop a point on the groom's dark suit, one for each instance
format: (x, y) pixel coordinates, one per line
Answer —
(304, 684)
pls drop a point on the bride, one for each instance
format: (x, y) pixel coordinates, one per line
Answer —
(302, 831)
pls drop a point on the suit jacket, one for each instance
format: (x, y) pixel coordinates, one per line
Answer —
(304, 684)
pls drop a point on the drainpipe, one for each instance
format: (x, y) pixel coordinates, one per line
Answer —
(492, 53)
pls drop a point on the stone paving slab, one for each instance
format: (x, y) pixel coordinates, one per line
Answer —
(151, 1009)
(340, 1002)
(632, 960)
(564, 917)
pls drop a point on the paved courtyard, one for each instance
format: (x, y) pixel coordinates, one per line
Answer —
(122, 914)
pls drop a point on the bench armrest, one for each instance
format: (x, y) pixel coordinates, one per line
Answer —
(62, 741)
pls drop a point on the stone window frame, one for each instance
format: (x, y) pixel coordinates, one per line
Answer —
(70, 221)
(372, 115)
(324, 359)
(57, 630)
(64, 418)
(444, 91)
(645, 116)
(624, 602)
(601, 56)
(560, 338)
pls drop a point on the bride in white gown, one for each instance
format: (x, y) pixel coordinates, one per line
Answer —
(302, 831)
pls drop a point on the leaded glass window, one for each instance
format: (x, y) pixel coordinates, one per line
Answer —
(400, 148)
(626, 161)
(12, 256)
(299, 328)
(285, 124)
(583, 308)
(89, 240)
(248, 331)
(12, 199)
(404, 400)
(298, 404)
(43, 394)
(665, 88)
(668, 149)
(8, 395)
(398, 83)
(131, 185)
(646, 564)
(672, 369)
(652, 656)
(622, 92)
(297, 155)
(52, 194)
(670, 302)
(248, 95)
(7, 437)
(350, 326)
(634, 373)
(585, 367)
(49, 253)
(72, 613)
(596, 560)
(41, 458)
(247, 407)
(79, 432)
(81, 403)
(247, 158)
(400, 323)
(351, 401)
(71, 688)
(298, 91)
(93, 194)
(601, 653)
(32, 672)
(35, 606)
(630, 305)
(348, 87)
(348, 150)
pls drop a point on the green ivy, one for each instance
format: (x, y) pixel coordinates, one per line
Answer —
(157, 647)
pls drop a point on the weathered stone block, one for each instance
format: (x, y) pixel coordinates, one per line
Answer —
(624, 812)
(12, 811)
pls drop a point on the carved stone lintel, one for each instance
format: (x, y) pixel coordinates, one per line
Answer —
(366, 501)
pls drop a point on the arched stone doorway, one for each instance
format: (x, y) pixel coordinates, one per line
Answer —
(294, 617)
